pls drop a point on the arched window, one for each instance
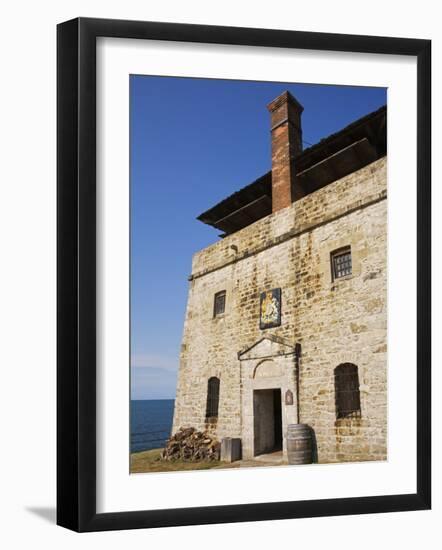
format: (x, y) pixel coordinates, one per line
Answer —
(212, 397)
(348, 402)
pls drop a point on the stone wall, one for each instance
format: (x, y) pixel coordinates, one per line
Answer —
(335, 322)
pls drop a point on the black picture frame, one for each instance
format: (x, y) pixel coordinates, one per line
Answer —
(76, 274)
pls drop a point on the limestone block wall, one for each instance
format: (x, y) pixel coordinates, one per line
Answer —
(344, 321)
(209, 348)
(335, 322)
(210, 345)
(333, 200)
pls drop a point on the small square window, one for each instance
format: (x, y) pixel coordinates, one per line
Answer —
(341, 263)
(219, 304)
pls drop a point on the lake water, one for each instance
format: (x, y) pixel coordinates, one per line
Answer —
(150, 423)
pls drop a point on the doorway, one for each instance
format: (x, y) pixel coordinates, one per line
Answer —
(267, 421)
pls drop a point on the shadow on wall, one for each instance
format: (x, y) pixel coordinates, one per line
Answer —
(314, 446)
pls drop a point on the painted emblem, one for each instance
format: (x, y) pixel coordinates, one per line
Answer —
(270, 309)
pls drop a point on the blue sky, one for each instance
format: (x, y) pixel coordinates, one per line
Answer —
(194, 142)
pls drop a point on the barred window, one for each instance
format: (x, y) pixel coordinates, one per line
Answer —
(341, 262)
(347, 397)
(219, 304)
(212, 397)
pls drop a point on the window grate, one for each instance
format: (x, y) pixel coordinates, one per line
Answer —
(341, 263)
(347, 395)
(219, 304)
(212, 397)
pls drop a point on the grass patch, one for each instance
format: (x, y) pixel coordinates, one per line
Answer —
(150, 461)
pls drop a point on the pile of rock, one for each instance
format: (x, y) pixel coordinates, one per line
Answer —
(190, 445)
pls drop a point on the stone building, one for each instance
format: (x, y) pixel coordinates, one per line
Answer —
(286, 319)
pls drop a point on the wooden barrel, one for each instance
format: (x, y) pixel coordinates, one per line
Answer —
(299, 444)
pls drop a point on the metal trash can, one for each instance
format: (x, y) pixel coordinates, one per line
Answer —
(230, 449)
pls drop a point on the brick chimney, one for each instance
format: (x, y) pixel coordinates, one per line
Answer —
(285, 113)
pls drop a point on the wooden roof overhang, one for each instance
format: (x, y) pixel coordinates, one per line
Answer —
(354, 147)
